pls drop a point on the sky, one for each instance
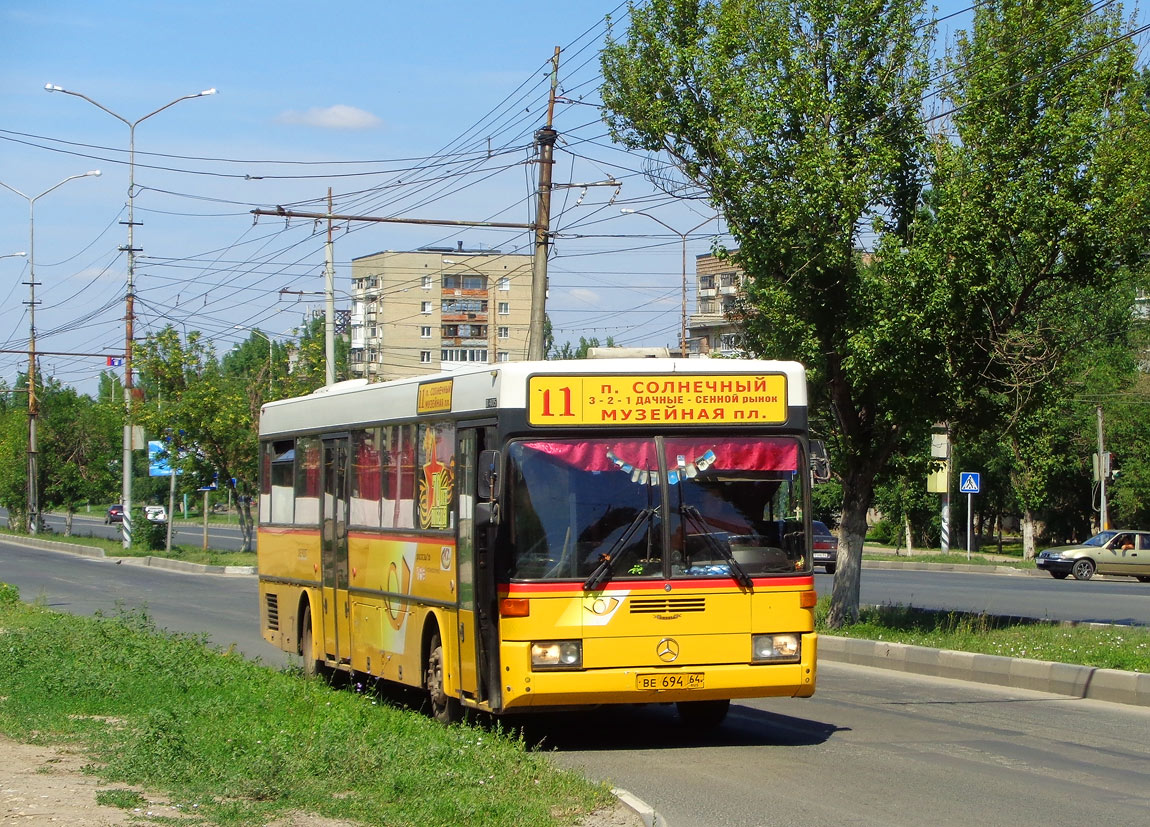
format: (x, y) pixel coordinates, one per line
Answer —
(402, 109)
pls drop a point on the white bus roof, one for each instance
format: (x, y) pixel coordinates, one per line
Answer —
(357, 402)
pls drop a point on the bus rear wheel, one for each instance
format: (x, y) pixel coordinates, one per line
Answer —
(311, 666)
(702, 714)
(444, 708)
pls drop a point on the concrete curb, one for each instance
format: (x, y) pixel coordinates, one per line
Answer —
(180, 565)
(637, 805)
(53, 545)
(1088, 682)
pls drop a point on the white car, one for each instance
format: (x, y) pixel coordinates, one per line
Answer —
(156, 513)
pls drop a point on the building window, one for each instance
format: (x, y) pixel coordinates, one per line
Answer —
(426, 283)
(504, 308)
(372, 332)
(425, 355)
(425, 332)
(464, 354)
(504, 332)
(425, 307)
(505, 283)
(502, 356)
(706, 282)
(707, 306)
(457, 307)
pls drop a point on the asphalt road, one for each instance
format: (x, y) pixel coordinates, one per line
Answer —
(189, 533)
(1113, 600)
(871, 747)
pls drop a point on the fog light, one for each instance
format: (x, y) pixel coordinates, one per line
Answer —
(775, 648)
(557, 654)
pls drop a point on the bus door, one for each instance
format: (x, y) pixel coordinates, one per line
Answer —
(333, 519)
(477, 597)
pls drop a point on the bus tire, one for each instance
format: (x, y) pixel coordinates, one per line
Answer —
(311, 666)
(445, 709)
(702, 714)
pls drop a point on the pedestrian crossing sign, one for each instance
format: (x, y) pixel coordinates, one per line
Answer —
(969, 482)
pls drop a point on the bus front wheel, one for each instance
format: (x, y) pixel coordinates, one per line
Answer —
(444, 708)
(702, 714)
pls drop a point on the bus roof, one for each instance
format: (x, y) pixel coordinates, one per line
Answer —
(484, 387)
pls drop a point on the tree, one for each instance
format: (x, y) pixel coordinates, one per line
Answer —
(80, 444)
(1041, 220)
(207, 417)
(569, 351)
(801, 121)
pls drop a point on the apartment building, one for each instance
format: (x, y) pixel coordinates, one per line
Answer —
(437, 308)
(714, 330)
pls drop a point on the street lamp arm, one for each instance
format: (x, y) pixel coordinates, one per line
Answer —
(51, 87)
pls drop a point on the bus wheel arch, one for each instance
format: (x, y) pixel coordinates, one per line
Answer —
(444, 707)
(306, 637)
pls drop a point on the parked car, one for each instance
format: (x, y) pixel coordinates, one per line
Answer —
(156, 513)
(115, 514)
(1120, 551)
(826, 547)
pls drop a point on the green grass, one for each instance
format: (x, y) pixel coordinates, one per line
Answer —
(976, 559)
(241, 744)
(1107, 647)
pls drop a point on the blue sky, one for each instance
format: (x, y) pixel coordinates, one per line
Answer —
(355, 96)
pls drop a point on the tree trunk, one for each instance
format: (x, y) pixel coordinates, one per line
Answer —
(1028, 542)
(244, 509)
(909, 532)
(68, 515)
(858, 490)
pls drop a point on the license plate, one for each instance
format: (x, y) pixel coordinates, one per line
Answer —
(676, 680)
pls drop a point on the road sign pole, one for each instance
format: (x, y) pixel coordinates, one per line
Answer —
(969, 523)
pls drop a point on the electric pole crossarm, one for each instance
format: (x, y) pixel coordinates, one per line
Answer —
(440, 222)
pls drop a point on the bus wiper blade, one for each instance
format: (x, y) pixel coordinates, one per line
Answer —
(607, 560)
(696, 519)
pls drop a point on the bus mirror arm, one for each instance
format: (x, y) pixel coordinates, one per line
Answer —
(488, 474)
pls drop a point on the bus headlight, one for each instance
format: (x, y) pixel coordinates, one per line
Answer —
(775, 648)
(557, 654)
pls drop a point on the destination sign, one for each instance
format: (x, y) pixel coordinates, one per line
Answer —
(678, 399)
(434, 397)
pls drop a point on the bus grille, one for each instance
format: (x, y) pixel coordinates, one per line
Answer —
(273, 604)
(662, 605)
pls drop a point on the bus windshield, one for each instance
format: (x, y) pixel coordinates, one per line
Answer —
(683, 507)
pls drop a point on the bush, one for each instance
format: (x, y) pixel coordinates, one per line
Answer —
(9, 594)
(146, 535)
(882, 532)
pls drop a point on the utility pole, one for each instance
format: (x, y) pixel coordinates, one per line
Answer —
(1103, 472)
(545, 140)
(329, 289)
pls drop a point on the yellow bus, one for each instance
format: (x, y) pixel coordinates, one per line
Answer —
(545, 535)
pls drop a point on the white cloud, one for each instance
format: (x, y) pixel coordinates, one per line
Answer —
(339, 116)
(586, 296)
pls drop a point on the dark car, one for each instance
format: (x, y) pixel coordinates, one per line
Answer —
(826, 547)
(115, 514)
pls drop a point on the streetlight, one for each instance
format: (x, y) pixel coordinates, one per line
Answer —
(33, 410)
(683, 236)
(126, 525)
(271, 374)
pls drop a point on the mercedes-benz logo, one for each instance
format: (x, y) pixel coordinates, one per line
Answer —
(667, 649)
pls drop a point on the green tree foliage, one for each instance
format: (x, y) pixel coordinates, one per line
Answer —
(801, 121)
(80, 443)
(207, 417)
(569, 351)
(1041, 219)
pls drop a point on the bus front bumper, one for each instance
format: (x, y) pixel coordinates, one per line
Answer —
(523, 688)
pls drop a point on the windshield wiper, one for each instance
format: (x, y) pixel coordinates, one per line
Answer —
(602, 572)
(694, 517)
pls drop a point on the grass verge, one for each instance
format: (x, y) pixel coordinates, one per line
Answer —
(240, 744)
(1105, 647)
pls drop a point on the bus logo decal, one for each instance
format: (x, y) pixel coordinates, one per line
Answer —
(667, 650)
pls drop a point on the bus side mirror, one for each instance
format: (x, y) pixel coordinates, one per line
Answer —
(820, 461)
(488, 469)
